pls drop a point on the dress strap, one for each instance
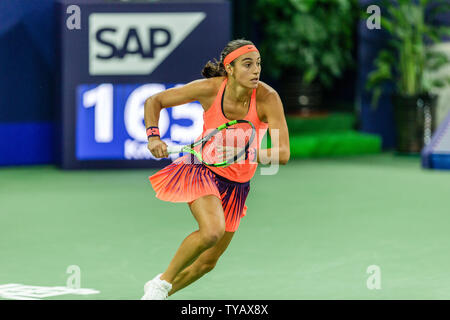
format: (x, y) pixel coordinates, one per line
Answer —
(216, 105)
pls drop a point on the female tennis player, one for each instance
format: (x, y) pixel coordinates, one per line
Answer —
(215, 195)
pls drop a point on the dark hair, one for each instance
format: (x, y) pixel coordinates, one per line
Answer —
(216, 68)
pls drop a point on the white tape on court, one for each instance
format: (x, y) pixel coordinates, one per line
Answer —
(22, 292)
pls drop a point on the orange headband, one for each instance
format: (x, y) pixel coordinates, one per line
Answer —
(238, 52)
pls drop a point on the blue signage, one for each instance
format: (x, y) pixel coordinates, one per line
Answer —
(114, 59)
(110, 121)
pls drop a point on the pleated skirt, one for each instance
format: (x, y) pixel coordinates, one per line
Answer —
(185, 181)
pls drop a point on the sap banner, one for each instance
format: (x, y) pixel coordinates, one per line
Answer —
(114, 55)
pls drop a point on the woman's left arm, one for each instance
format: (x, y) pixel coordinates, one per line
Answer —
(274, 113)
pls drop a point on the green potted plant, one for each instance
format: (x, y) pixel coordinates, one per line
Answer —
(306, 46)
(409, 62)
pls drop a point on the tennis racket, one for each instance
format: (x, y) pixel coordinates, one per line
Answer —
(246, 134)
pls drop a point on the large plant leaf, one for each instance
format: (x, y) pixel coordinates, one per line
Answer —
(438, 7)
(296, 33)
(436, 60)
(376, 94)
(443, 31)
(405, 21)
(381, 74)
(310, 75)
(329, 60)
(432, 34)
(397, 14)
(387, 24)
(303, 5)
(441, 82)
(424, 3)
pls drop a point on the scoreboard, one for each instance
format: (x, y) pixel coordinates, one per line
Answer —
(109, 122)
(114, 59)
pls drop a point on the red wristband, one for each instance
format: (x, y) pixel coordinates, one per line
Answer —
(152, 131)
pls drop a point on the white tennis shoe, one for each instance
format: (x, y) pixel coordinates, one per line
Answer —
(156, 289)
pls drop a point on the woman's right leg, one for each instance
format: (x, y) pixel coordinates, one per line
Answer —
(208, 212)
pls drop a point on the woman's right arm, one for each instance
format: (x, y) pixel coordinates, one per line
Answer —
(197, 90)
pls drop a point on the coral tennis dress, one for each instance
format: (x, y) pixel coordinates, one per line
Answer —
(186, 180)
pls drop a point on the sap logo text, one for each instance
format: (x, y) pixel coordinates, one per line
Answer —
(136, 43)
(132, 43)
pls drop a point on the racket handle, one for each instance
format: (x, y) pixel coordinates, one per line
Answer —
(174, 149)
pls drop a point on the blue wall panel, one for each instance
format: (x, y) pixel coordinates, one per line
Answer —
(26, 143)
(26, 81)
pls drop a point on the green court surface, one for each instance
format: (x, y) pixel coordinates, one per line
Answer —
(311, 232)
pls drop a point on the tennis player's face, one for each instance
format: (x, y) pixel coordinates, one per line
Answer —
(247, 69)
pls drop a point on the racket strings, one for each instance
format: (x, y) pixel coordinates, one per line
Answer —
(230, 144)
(227, 144)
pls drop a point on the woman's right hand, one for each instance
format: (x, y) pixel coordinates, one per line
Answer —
(157, 147)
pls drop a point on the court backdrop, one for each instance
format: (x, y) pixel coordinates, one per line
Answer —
(113, 56)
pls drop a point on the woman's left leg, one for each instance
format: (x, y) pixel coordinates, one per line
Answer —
(205, 262)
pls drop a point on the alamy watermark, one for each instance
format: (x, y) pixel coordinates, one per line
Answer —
(374, 280)
(73, 21)
(374, 20)
(229, 143)
(74, 280)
